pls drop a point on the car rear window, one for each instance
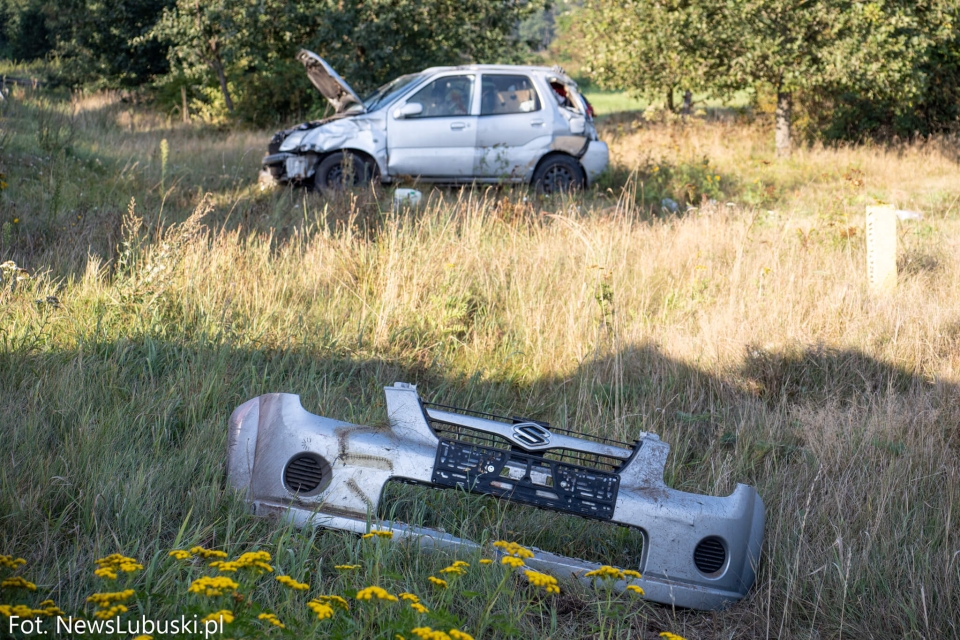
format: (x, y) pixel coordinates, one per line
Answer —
(503, 94)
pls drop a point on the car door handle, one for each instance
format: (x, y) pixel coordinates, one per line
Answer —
(456, 126)
(536, 123)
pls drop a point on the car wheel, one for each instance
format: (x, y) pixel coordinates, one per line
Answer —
(341, 170)
(558, 174)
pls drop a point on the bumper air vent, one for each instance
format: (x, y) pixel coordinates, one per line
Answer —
(710, 555)
(303, 474)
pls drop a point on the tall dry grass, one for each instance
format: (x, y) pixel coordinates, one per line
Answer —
(742, 333)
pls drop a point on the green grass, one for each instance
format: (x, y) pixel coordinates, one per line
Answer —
(743, 335)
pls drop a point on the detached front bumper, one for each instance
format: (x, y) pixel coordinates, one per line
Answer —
(699, 551)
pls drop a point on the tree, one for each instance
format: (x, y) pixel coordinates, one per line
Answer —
(653, 46)
(874, 49)
(198, 35)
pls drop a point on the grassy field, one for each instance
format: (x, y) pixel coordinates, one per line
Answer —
(738, 328)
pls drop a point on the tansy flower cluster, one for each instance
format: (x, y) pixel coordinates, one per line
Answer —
(249, 560)
(512, 561)
(378, 534)
(513, 549)
(109, 603)
(335, 601)
(671, 636)
(212, 586)
(537, 579)
(224, 615)
(109, 566)
(180, 554)
(346, 567)
(375, 592)
(605, 572)
(438, 582)
(322, 610)
(207, 553)
(632, 588)
(293, 584)
(426, 633)
(272, 619)
(11, 563)
(16, 582)
(458, 568)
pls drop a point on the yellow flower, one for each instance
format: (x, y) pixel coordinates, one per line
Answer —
(346, 567)
(455, 570)
(254, 560)
(419, 608)
(671, 636)
(115, 610)
(398, 637)
(377, 534)
(426, 633)
(49, 608)
(409, 596)
(212, 586)
(143, 638)
(17, 582)
(272, 619)
(537, 579)
(460, 635)
(512, 561)
(438, 582)
(375, 592)
(15, 220)
(9, 561)
(605, 572)
(334, 600)
(224, 616)
(180, 554)
(635, 589)
(293, 584)
(486, 561)
(513, 549)
(104, 600)
(630, 573)
(225, 566)
(207, 553)
(106, 572)
(322, 610)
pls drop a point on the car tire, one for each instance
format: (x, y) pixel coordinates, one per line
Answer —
(332, 174)
(558, 174)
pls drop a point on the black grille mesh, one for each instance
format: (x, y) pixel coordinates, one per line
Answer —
(709, 555)
(303, 474)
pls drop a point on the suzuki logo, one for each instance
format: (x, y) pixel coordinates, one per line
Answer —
(531, 434)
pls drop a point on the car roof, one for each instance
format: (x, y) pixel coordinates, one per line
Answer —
(555, 71)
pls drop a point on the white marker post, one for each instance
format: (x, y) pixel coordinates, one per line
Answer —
(882, 248)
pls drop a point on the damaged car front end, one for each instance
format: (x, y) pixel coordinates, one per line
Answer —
(483, 124)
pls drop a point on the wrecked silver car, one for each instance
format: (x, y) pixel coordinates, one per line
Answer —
(447, 125)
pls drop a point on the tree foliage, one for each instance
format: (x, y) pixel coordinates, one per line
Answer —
(877, 51)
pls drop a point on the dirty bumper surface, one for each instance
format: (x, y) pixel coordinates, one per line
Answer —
(699, 551)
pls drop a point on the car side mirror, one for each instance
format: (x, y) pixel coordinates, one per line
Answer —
(407, 110)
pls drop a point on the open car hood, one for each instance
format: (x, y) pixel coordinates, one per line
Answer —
(329, 83)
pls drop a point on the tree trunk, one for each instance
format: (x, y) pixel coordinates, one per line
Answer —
(687, 107)
(784, 107)
(218, 67)
(670, 99)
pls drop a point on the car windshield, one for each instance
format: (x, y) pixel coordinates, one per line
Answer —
(388, 92)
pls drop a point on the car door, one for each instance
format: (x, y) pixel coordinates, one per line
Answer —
(440, 140)
(513, 128)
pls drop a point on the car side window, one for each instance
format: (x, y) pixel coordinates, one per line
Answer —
(444, 97)
(503, 94)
